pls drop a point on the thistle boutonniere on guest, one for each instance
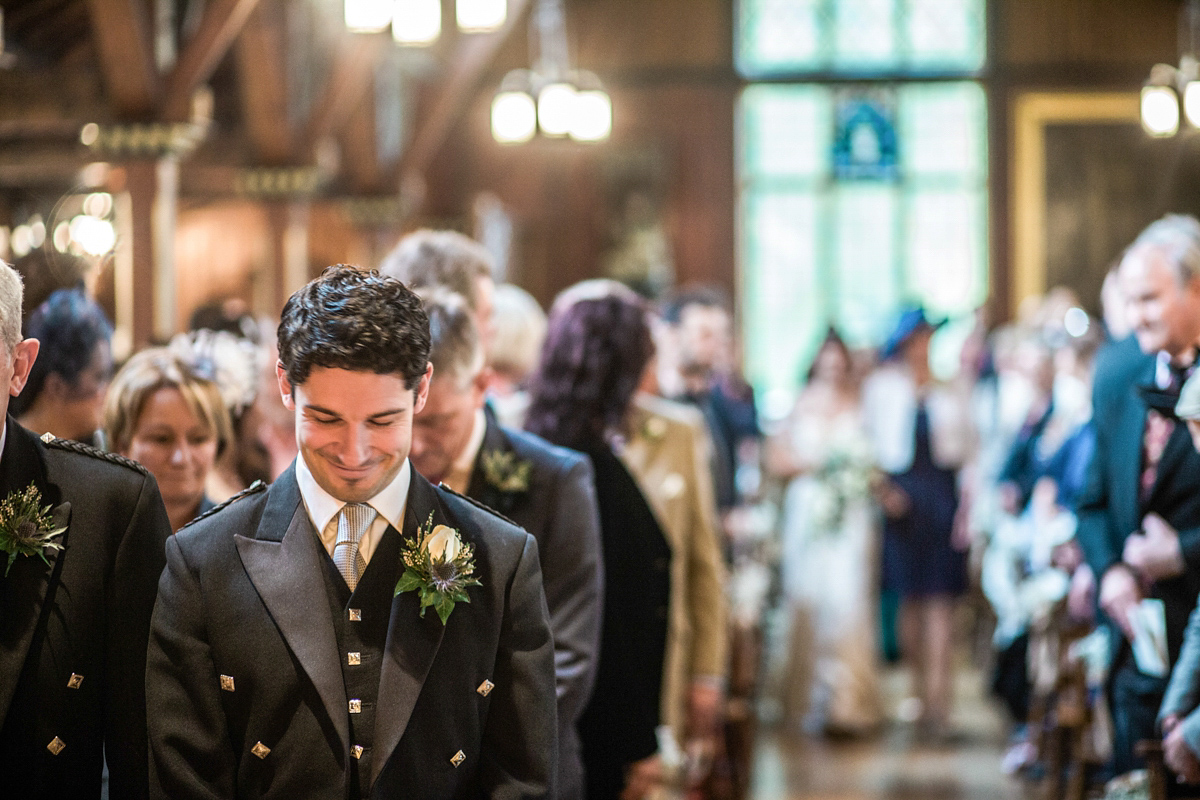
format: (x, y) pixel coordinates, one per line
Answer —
(507, 478)
(26, 526)
(440, 567)
(505, 472)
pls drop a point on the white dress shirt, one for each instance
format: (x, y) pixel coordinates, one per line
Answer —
(323, 508)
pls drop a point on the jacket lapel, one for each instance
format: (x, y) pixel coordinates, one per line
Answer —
(23, 592)
(412, 641)
(283, 560)
(1177, 449)
(1128, 456)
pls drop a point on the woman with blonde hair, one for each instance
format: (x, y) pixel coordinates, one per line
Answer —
(162, 412)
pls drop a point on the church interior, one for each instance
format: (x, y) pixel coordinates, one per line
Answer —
(821, 166)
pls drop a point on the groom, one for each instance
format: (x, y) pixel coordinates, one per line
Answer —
(281, 665)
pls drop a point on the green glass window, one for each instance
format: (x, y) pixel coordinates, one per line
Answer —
(856, 199)
(790, 36)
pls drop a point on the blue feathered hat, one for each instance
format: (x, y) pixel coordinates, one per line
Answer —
(910, 322)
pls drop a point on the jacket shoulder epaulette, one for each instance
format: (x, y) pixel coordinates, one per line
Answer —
(479, 505)
(72, 446)
(254, 488)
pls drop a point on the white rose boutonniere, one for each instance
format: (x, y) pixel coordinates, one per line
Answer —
(442, 544)
(440, 567)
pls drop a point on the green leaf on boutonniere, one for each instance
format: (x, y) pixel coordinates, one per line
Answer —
(505, 472)
(25, 526)
(439, 566)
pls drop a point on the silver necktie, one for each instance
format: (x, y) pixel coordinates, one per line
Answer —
(353, 521)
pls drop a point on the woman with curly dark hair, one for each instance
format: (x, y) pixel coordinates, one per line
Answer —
(597, 347)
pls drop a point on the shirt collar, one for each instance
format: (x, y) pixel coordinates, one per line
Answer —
(458, 477)
(390, 502)
(466, 459)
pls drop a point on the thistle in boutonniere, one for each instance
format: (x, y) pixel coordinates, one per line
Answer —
(504, 472)
(26, 526)
(439, 566)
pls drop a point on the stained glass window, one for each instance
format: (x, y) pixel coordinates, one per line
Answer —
(856, 198)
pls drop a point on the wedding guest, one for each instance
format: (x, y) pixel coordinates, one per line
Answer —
(1139, 514)
(922, 435)
(545, 489)
(75, 606)
(662, 654)
(519, 328)
(235, 363)
(830, 548)
(428, 258)
(163, 414)
(66, 387)
(699, 327)
(1032, 560)
(1179, 717)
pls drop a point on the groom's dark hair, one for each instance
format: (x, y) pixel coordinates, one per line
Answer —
(357, 320)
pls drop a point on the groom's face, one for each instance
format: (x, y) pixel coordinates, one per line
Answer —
(354, 429)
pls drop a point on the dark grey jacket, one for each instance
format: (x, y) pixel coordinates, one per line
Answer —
(243, 597)
(558, 506)
(73, 633)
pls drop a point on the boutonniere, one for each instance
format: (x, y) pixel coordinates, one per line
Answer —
(26, 526)
(505, 472)
(654, 428)
(439, 566)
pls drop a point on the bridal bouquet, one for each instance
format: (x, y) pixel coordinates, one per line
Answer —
(844, 478)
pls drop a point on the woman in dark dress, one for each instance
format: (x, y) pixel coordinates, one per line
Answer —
(923, 435)
(597, 347)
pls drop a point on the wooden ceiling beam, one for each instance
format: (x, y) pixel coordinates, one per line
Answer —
(353, 72)
(219, 27)
(262, 72)
(468, 64)
(124, 40)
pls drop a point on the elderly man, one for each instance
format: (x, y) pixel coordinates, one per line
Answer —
(1179, 716)
(545, 489)
(428, 258)
(82, 535)
(1139, 515)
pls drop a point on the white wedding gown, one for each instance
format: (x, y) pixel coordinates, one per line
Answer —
(829, 575)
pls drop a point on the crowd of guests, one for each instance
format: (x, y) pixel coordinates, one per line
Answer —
(1053, 474)
(1049, 470)
(556, 422)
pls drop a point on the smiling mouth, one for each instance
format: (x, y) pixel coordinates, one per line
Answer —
(353, 472)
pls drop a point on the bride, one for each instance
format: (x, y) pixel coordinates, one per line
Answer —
(830, 538)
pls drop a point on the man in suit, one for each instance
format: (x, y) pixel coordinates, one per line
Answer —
(547, 490)
(73, 627)
(280, 663)
(427, 259)
(1179, 717)
(1139, 514)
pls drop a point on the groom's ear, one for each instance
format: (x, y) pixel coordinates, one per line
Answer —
(285, 387)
